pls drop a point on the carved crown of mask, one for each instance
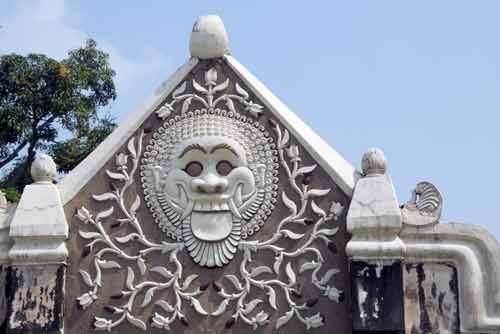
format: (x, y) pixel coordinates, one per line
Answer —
(210, 180)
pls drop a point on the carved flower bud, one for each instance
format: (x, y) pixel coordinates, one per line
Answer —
(211, 77)
(43, 169)
(293, 153)
(121, 161)
(336, 209)
(373, 162)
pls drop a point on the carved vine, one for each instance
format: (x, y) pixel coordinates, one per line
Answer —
(139, 292)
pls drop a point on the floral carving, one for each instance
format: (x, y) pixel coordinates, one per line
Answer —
(174, 292)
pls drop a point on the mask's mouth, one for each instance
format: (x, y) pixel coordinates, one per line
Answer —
(211, 225)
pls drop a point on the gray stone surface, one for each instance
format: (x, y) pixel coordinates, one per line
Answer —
(431, 298)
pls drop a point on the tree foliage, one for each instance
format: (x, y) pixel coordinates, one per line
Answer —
(50, 105)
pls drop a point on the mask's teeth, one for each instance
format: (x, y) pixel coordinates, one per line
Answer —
(234, 209)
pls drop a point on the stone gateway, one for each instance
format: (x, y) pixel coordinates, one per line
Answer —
(215, 209)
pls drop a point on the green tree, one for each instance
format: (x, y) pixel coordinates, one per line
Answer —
(53, 106)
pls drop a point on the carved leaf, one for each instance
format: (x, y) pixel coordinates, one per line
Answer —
(86, 278)
(291, 275)
(179, 90)
(241, 91)
(251, 306)
(233, 279)
(329, 274)
(221, 308)
(136, 322)
(260, 270)
(199, 88)
(317, 210)
(306, 169)
(277, 263)
(230, 105)
(130, 278)
(126, 238)
(162, 271)
(327, 231)
(284, 319)
(308, 266)
(165, 305)
(289, 203)
(167, 246)
(131, 147)
(317, 192)
(142, 265)
(89, 235)
(221, 87)
(188, 281)
(148, 296)
(197, 306)
(104, 214)
(135, 205)
(186, 104)
(285, 139)
(109, 265)
(115, 176)
(272, 297)
(104, 197)
(292, 235)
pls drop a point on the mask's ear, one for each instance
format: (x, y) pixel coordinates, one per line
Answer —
(260, 177)
(158, 174)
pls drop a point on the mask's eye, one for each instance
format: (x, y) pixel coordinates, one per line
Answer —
(194, 168)
(224, 167)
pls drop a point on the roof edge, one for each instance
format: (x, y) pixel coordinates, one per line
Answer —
(72, 183)
(339, 169)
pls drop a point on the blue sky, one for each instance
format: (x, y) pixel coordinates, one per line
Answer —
(420, 79)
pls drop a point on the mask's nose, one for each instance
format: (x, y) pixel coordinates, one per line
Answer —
(210, 184)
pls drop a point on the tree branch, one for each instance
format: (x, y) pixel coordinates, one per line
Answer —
(23, 144)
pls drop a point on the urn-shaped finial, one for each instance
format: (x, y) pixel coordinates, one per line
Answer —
(43, 169)
(209, 38)
(373, 162)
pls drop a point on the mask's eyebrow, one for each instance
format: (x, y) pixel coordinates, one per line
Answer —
(192, 147)
(223, 146)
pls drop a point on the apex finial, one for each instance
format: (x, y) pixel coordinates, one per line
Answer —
(373, 162)
(209, 38)
(43, 169)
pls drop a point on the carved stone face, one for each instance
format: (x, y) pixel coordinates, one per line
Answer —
(209, 181)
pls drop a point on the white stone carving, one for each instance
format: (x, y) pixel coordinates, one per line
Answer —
(38, 226)
(424, 206)
(209, 95)
(43, 169)
(249, 277)
(209, 38)
(374, 217)
(373, 162)
(210, 180)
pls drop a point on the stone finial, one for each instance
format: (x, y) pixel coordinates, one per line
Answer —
(43, 169)
(209, 38)
(373, 162)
